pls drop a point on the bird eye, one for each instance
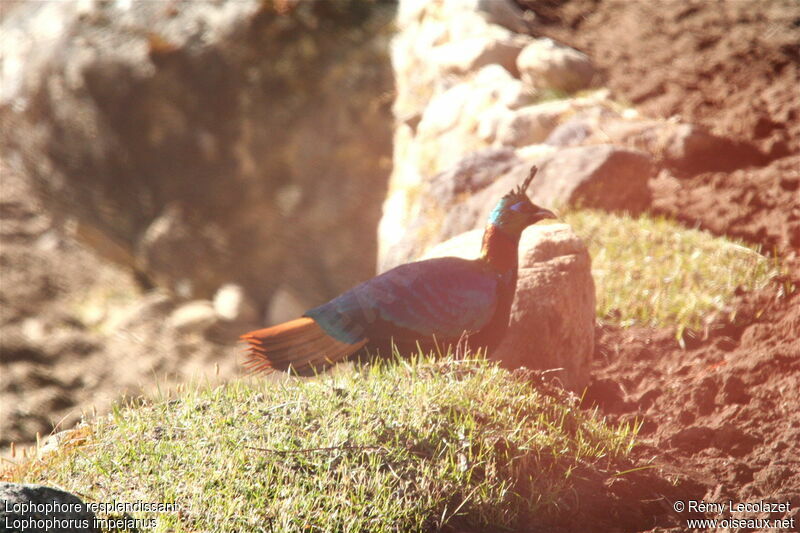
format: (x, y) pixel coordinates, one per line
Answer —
(520, 207)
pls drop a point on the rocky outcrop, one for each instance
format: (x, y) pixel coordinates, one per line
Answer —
(553, 314)
(543, 109)
(466, 82)
(207, 143)
(477, 103)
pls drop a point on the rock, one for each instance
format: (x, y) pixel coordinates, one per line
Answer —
(533, 153)
(506, 13)
(600, 176)
(441, 200)
(685, 148)
(183, 149)
(545, 64)
(553, 314)
(571, 133)
(457, 108)
(530, 124)
(446, 132)
(232, 303)
(463, 34)
(16, 514)
(471, 54)
(193, 317)
(471, 174)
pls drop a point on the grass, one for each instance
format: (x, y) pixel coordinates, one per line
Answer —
(409, 446)
(655, 272)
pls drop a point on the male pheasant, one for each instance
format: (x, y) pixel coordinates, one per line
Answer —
(414, 305)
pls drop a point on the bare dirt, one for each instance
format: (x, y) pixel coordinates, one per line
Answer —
(723, 412)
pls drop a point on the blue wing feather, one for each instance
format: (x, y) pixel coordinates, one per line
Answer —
(443, 297)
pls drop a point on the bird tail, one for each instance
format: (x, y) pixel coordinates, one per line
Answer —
(299, 344)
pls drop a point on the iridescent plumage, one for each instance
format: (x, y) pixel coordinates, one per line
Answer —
(426, 303)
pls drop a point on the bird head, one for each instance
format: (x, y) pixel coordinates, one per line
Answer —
(515, 212)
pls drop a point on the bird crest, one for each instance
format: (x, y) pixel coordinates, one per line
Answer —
(518, 193)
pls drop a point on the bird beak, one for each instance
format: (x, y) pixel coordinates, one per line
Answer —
(543, 214)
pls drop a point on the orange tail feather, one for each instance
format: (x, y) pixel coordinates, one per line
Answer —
(299, 344)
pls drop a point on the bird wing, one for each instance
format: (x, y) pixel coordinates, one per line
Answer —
(443, 297)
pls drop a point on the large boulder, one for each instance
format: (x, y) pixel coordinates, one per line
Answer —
(553, 314)
(438, 39)
(458, 93)
(604, 177)
(205, 143)
(446, 131)
(448, 128)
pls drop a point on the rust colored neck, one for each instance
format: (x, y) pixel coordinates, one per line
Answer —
(499, 249)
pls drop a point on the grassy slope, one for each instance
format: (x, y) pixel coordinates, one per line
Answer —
(655, 272)
(400, 447)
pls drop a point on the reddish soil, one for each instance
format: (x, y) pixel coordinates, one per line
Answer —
(723, 413)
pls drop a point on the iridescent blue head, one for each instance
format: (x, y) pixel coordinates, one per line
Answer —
(515, 212)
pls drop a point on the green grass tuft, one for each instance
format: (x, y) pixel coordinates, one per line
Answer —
(409, 446)
(655, 272)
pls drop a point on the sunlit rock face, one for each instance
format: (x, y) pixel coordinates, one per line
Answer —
(205, 143)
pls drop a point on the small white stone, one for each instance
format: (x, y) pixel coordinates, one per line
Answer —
(231, 303)
(33, 329)
(196, 316)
